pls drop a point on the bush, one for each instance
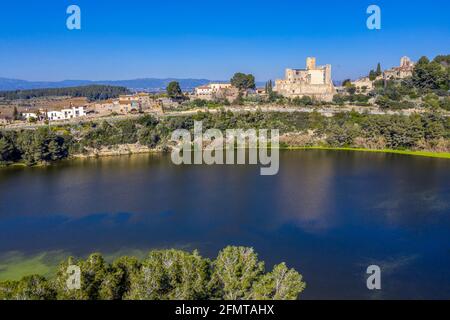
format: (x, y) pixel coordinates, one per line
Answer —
(445, 103)
(303, 101)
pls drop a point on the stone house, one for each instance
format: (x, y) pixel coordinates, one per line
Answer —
(213, 91)
(405, 70)
(363, 83)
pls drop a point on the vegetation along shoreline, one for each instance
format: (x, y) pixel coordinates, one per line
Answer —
(235, 274)
(416, 134)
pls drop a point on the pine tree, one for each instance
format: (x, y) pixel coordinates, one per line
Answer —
(6, 150)
(16, 114)
(269, 89)
(379, 72)
(280, 284)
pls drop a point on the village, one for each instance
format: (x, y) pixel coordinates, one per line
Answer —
(312, 86)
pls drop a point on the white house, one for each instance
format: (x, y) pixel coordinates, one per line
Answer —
(211, 88)
(203, 91)
(29, 115)
(66, 114)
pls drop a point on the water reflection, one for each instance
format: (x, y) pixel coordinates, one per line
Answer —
(328, 214)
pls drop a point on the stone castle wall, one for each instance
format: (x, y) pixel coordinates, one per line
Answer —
(314, 81)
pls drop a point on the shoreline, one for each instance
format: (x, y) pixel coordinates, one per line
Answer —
(428, 154)
(425, 154)
(145, 150)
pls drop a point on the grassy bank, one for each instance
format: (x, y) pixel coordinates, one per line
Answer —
(442, 155)
(16, 265)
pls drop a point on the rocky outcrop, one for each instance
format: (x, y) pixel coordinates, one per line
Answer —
(117, 150)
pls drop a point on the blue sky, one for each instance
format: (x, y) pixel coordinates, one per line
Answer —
(213, 39)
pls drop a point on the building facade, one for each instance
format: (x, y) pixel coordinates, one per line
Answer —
(314, 81)
(211, 89)
(405, 70)
(66, 114)
(29, 115)
(125, 104)
(363, 84)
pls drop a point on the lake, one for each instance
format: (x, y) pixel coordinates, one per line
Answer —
(328, 214)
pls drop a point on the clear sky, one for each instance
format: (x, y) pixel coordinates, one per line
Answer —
(213, 38)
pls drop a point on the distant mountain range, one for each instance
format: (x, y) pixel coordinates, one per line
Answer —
(147, 84)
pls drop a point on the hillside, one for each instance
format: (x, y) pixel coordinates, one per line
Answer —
(91, 92)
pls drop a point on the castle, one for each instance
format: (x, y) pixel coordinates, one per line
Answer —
(314, 81)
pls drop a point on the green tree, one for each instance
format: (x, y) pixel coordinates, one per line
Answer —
(33, 287)
(280, 284)
(16, 115)
(63, 292)
(379, 72)
(433, 126)
(423, 60)
(93, 92)
(269, 87)
(93, 274)
(94, 278)
(372, 75)
(171, 274)
(40, 145)
(443, 59)
(163, 275)
(351, 89)
(174, 90)
(239, 101)
(236, 269)
(243, 81)
(148, 137)
(118, 281)
(339, 99)
(383, 102)
(444, 104)
(346, 83)
(56, 148)
(31, 146)
(128, 131)
(8, 290)
(303, 101)
(148, 121)
(6, 150)
(430, 75)
(341, 135)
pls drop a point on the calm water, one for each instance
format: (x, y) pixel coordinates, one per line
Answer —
(328, 214)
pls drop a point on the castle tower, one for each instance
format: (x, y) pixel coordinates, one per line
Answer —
(310, 63)
(405, 62)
